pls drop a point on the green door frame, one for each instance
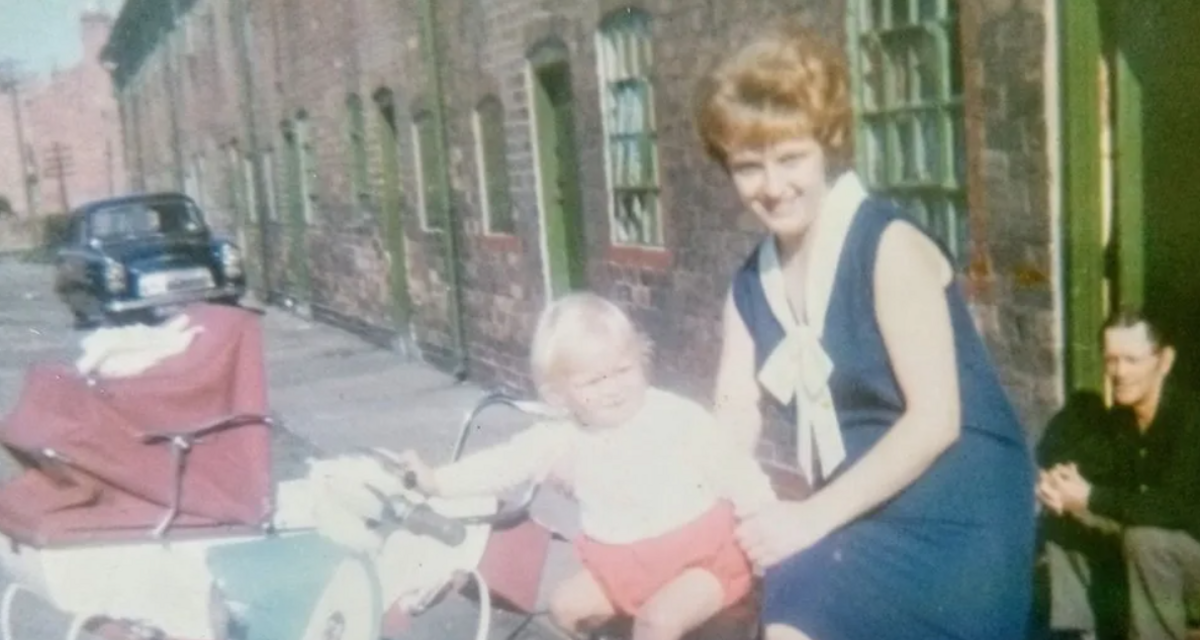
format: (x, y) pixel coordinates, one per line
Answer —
(1129, 160)
(432, 53)
(297, 226)
(1082, 204)
(557, 167)
(1098, 278)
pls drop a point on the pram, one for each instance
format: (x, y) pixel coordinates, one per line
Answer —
(156, 507)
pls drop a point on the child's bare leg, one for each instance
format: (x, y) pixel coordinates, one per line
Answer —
(684, 604)
(580, 601)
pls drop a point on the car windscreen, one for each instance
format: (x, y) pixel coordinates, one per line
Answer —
(138, 219)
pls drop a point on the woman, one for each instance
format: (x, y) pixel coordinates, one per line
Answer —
(848, 318)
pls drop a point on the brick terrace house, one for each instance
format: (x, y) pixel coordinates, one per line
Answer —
(430, 172)
(70, 132)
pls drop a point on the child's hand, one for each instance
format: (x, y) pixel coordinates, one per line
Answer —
(411, 465)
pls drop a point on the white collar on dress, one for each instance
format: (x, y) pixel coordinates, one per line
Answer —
(799, 368)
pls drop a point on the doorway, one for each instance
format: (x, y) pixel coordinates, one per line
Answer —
(390, 199)
(1132, 180)
(299, 205)
(556, 154)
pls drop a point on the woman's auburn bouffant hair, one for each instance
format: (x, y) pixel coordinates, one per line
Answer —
(787, 83)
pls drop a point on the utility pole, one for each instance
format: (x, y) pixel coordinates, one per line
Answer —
(10, 83)
(60, 166)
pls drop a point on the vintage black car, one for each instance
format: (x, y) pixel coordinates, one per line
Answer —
(142, 255)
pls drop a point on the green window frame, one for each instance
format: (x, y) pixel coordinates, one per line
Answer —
(356, 139)
(306, 170)
(908, 98)
(491, 158)
(430, 209)
(625, 55)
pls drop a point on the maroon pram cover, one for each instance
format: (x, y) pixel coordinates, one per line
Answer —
(115, 482)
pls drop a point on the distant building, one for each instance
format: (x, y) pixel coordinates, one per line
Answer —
(70, 130)
(435, 170)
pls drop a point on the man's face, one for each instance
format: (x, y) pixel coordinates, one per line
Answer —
(1134, 365)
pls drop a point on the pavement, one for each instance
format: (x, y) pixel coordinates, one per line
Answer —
(329, 387)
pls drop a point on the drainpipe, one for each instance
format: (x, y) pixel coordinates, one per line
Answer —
(170, 46)
(240, 17)
(453, 252)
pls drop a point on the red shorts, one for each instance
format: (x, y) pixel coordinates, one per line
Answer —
(631, 573)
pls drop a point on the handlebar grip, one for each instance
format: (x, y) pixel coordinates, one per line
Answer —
(422, 520)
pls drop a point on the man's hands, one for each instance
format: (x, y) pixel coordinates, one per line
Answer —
(1063, 490)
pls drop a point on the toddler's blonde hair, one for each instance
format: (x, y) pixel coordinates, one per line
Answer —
(575, 320)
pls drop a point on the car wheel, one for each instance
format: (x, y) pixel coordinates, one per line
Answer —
(90, 314)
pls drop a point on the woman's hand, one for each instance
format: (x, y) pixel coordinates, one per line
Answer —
(780, 530)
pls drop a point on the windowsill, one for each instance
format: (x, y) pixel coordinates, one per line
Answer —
(500, 242)
(652, 258)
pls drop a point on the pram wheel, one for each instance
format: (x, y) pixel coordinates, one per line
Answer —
(323, 593)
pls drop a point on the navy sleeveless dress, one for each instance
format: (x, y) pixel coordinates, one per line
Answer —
(951, 556)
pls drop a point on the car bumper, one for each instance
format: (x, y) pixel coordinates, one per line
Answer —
(169, 299)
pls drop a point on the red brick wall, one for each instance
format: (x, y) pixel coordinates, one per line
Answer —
(309, 55)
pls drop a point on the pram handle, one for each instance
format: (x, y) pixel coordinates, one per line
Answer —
(191, 435)
(181, 442)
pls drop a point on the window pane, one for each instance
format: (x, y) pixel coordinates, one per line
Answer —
(877, 15)
(899, 13)
(917, 209)
(872, 74)
(929, 69)
(931, 145)
(897, 57)
(909, 151)
(434, 209)
(930, 9)
(959, 151)
(953, 60)
(876, 149)
(938, 221)
(625, 54)
(491, 116)
(911, 125)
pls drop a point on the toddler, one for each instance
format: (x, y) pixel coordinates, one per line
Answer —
(658, 485)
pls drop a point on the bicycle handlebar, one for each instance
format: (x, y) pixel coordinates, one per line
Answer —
(401, 513)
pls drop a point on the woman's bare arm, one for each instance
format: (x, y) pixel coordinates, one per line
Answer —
(735, 401)
(910, 279)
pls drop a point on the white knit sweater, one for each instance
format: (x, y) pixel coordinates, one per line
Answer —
(664, 468)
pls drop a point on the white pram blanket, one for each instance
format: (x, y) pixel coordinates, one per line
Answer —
(117, 352)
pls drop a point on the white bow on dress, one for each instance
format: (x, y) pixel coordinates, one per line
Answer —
(799, 368)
